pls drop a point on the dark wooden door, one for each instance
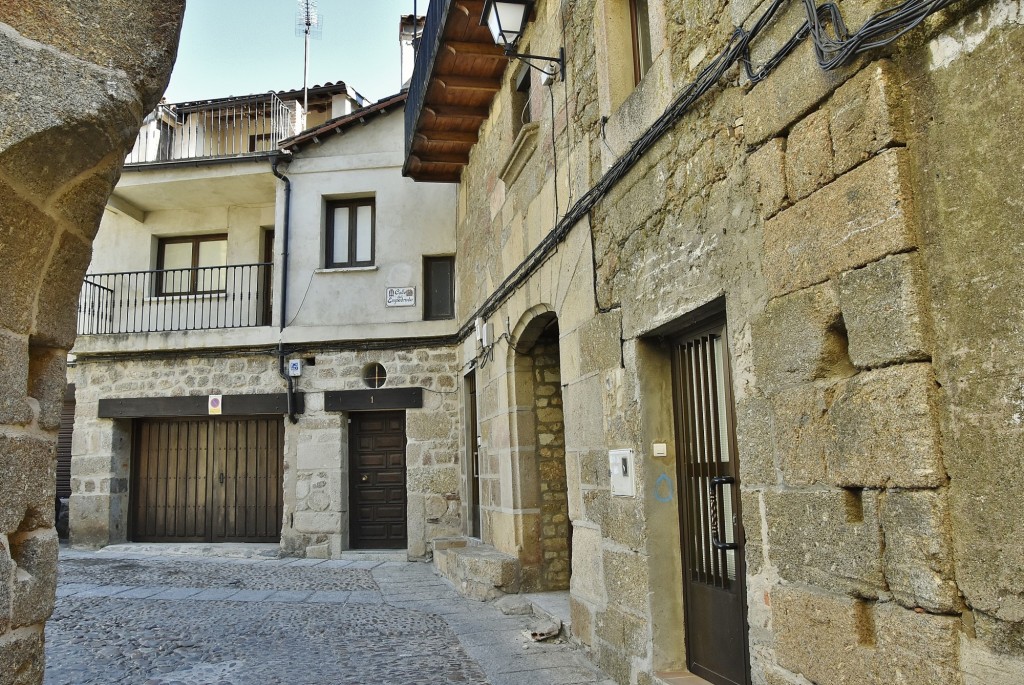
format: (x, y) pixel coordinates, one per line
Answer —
(207, 480)
(64, 434)
(377, 480)
(266, 293)
(712, 534)
(473, 447)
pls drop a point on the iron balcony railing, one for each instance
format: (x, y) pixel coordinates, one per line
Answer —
(429, 44)
(236, 296)
(234, 128)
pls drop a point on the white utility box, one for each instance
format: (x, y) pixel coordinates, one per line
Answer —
(620, 463)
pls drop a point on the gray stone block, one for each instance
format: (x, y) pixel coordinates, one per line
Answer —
(918, 549)
(830, 539)
(767, 169)
(887, 432)
(884, 308)
(798, 338)
(809, 164)
(860, 217)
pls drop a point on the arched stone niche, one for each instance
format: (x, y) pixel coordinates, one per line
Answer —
(75, 81)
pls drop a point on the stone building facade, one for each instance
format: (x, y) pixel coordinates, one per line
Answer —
(810, 275)
(188, 427)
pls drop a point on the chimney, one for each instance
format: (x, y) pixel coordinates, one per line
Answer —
(410, 28)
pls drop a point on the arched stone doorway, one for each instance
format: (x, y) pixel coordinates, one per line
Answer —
(539, 455)
(86, 75)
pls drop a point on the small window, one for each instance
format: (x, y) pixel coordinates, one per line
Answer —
(439, 288)
(191, 265)
(350, 233)
(375, 375)
(521, 100)
(640, 21)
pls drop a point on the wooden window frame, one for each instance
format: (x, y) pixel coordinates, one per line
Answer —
(640, 69)
(353, 206)
(195, 240)
(427, 314)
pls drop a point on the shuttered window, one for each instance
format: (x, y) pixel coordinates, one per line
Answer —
(439, 286)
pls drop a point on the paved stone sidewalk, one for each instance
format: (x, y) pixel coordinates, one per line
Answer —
(159, 619)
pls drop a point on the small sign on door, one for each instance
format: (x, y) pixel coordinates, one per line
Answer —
(215, 405)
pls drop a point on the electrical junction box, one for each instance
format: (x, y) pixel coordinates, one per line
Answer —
(294, 367)
(620, 464)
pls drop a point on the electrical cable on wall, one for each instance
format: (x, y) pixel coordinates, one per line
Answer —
(879, 30)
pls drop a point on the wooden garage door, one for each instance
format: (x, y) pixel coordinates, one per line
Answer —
(207, 480)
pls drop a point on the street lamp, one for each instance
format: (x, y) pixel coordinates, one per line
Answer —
(507, 19)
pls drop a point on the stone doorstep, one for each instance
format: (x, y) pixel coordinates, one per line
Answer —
(455, 559)
(231, 550)
(476, 570)
(678, 678)
(375, 555)
(552, 606)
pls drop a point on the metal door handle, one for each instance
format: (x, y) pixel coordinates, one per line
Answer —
(716, 483)
(365, 478)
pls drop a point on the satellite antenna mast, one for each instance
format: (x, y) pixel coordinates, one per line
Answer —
(309, 24)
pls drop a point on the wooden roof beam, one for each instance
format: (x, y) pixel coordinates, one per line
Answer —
(461, 48)
(440, 158)
(438, 136)
(468, 83)
(455, 112)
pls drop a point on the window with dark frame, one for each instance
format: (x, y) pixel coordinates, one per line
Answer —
(640, 21)
(438, 288)
(191, 265)
(350, 233)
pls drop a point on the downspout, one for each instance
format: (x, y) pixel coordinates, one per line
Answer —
(284, 289)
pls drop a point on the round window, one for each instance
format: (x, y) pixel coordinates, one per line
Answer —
(375, 375)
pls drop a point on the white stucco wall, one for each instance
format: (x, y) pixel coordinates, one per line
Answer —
(413, 220)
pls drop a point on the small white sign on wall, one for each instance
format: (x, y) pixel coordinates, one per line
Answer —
(400, 297)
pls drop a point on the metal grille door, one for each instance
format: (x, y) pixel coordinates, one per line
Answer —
(204, 480)
(712, 535)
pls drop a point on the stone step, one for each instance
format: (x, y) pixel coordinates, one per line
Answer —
(477, 571)
(552, 606)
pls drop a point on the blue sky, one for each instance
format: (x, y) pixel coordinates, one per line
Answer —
(238, 47)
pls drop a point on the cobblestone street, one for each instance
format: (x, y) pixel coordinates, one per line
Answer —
(129, 617)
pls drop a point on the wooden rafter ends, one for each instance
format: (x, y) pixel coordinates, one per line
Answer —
(453, 82)
(428, 135)
(454, 96)
(455, 112)
(461, 47)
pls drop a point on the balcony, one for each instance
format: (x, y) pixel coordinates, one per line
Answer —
(458, 71)
(236, 296)
(229, 128)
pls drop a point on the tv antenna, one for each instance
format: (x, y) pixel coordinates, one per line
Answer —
(309, 24)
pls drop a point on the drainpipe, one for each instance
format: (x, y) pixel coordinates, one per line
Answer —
(284, 289)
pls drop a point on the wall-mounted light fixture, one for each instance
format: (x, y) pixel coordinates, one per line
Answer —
(507, 19)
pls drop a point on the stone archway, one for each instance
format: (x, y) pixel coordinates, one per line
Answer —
(76, 80)
(539, 470)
